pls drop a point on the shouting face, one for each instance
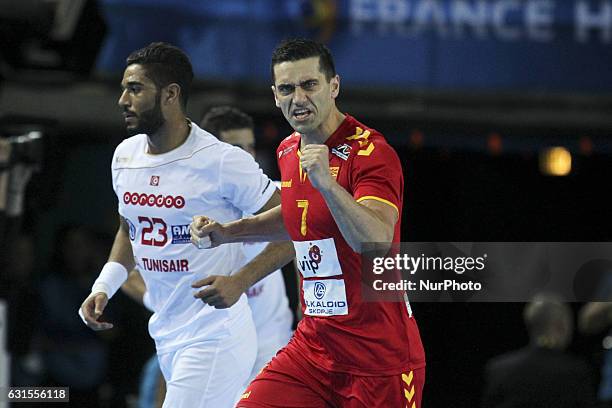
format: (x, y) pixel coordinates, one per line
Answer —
(303, 94)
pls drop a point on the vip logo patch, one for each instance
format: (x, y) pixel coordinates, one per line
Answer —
(342, 151)
(311, 264)
(180, 234)
(154, 181)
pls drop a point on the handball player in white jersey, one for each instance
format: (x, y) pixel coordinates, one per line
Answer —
(165, 173)
(268, 297)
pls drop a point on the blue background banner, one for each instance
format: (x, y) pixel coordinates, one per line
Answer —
(532, 45)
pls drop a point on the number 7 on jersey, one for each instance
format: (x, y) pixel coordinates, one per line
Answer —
(303, 204)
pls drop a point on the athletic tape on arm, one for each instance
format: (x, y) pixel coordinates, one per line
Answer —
(111, 278)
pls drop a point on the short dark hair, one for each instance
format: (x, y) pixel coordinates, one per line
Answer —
(222, 118)
(165, 64)
(300, 48)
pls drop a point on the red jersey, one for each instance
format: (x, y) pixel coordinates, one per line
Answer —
(339, 331)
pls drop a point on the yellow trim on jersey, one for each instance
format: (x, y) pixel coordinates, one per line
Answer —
(368, 151)
(409, 394)
(303, 174)
(407, 378)
(359, 134)
(382, 200)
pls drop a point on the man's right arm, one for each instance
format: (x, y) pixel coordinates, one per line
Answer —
(265, 227)
(112, 276)
(121, 252)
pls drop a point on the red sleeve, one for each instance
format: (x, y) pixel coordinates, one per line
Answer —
(378, 174)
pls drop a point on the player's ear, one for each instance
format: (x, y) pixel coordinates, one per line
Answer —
(275, 98)
(172, 95)
(335, 86)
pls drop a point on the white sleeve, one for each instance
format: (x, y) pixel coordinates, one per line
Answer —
(114, 176)
(146, 301)
(114, 172)
(242, 182)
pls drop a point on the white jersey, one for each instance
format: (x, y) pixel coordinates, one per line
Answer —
(269, 304)
(158, 196)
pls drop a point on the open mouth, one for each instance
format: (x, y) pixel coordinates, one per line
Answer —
(302, 113)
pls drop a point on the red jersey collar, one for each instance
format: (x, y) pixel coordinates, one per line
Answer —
(346, 127)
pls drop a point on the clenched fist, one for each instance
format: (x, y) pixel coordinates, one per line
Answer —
(315, 162)
(205, 232)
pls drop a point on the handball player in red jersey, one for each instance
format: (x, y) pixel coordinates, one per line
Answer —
(342, 185)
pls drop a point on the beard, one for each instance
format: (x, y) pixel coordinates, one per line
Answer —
(149, 121)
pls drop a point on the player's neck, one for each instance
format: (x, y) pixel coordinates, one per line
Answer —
(171, 135)
(324, 132)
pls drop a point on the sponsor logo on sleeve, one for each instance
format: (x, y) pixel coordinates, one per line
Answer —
(132, 229)
(342, 151)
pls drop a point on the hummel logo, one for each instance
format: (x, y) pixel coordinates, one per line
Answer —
(342, 151)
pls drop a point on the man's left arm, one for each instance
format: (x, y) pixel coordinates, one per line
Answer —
(365, 221)
(369, 220)
(134, 287)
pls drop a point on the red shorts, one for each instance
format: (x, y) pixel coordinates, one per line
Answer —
(291, 381)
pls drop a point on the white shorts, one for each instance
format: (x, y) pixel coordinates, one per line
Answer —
(267, 350)
(210, 374)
